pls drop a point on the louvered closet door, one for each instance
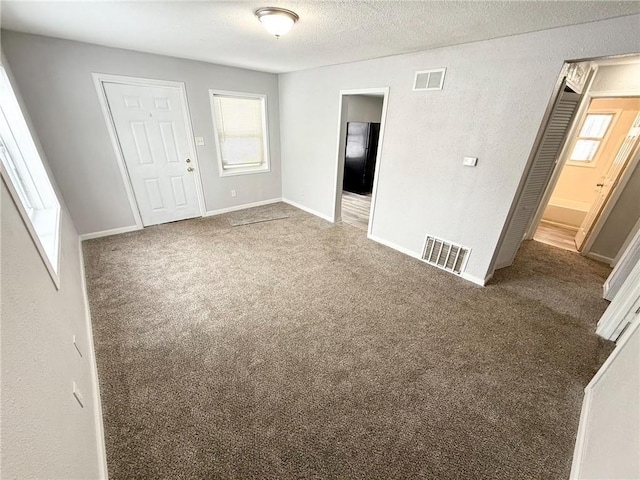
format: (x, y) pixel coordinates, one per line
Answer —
(538, 176)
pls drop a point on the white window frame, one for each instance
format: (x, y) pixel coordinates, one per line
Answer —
(241, 169)
(27, 180)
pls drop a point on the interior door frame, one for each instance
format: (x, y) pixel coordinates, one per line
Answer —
(340, 154)
(562, 160)
(99, 79)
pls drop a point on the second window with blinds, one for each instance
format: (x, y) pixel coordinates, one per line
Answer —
(240, 129)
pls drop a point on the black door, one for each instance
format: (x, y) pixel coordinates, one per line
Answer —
(360, 156)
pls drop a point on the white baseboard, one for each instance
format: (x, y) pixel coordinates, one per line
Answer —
(395, 246)
(562, 225)
(308, 210)
(599, 258)
(106, 233)
(411, 253)
(235, 208)
(477, 280)
(578, 450)
(95, 387)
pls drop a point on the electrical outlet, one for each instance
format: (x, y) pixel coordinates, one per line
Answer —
(233, 193)
(75, 344)
(199, 141)
(78, 394)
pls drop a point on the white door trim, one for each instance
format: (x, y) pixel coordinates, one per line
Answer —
(615, 317)
(337, 194)
(99, 79)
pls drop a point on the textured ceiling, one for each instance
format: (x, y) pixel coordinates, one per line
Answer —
(329, 32)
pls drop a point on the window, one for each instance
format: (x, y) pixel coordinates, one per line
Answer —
(240, 127)
(588, 143)
(27, 180)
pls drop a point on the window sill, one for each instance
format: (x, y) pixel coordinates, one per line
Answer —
(230, 172)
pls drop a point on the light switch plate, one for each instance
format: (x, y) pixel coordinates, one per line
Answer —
(199, 141)
(470, 161)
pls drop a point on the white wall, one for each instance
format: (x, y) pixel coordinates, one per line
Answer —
(621, 220)
(495, 94)
(55, 79)
(364, 108)
(616, 78)
(608, 443)
(45, 433)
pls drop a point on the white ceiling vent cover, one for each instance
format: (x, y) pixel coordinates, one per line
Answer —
(429, 79)
(445, 255)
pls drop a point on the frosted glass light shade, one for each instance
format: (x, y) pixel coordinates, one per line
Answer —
(277, 21)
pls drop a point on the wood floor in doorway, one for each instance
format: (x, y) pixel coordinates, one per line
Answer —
(556, 236)
(355, 209)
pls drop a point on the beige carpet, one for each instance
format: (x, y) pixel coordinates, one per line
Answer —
(300, 349)
(265, 213)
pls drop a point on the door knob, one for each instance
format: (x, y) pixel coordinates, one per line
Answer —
(190, 169)
(188, 160)
(599, 184)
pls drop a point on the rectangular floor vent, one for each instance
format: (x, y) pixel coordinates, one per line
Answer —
(445, 255)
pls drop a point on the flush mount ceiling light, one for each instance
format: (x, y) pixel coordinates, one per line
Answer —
(277, 21)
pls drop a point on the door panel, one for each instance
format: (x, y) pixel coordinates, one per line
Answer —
(151, 131)
(179, 195)
(167, 132)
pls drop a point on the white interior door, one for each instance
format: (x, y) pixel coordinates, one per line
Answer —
(150, 126)
(609, 183)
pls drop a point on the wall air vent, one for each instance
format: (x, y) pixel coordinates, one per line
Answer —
(445, 255)
(429, 79)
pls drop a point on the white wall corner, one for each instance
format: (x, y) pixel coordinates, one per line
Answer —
(308, 210)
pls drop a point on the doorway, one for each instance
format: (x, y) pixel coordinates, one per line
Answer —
(597, 158)
(361, 128)
(576, 128)
(150, 128)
